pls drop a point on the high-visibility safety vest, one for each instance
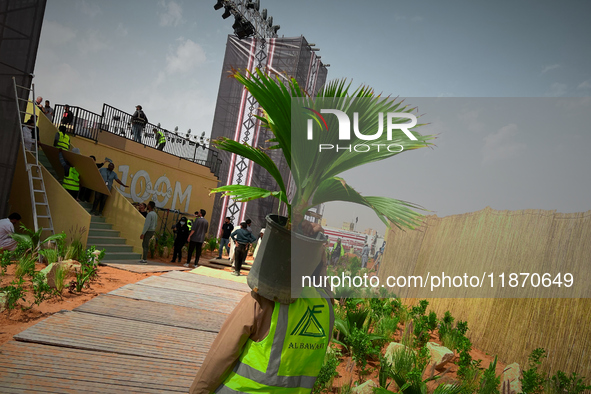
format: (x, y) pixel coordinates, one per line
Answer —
(189, 224)
(161, 137)
(289, 359)
(64, 141)
(72, 181)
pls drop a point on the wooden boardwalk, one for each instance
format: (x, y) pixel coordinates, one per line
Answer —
(147, 337)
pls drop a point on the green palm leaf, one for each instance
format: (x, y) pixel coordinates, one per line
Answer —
(243, 193)
(256, 155)
(399, 213)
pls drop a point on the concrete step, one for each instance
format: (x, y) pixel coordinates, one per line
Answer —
(96, 219)
(116, 248)
(100, 226)
(121, 256)
(93, 240)
(103, 233)
(86, 205)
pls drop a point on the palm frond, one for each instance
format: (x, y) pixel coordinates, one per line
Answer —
(243, 193)
(256, 155)
(389, 210)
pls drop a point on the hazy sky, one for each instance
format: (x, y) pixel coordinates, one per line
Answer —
(167, 56)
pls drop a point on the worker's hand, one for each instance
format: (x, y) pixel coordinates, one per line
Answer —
(142, 236)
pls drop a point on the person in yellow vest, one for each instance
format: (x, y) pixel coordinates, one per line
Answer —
(337, 252)
(71, 181)
(269, 347)
(61, 139)
(160, 138)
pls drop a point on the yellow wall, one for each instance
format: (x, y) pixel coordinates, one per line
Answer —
(67, 215)
(125, 219)
(65, 212)
(20, 197)
(169, 181)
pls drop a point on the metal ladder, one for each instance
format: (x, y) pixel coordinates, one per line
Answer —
(41, 213)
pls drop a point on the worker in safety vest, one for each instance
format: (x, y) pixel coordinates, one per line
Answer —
(189, 224)
(160, 139)
(71, 181)
(337, 252)
(61, 139)
(270, 347)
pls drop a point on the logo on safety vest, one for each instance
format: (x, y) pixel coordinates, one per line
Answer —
(309, 326)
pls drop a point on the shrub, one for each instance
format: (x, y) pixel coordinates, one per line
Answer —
(328, 371)
(489, 383)
(14, 292)
(562, 383)
(41, 289)
(533, 381)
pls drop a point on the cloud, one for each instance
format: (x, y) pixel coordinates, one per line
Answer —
(187, 56)
(556, 90)
(55, 34)
(550, 68)
(91, 42)
(121, 30)
(502, 145)
(470, 120)
(585, 84)
(173, 14)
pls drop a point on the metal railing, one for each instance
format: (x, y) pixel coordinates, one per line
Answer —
(112, 120)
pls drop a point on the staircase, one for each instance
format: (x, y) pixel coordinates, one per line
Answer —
(47, 164)
(104, 237)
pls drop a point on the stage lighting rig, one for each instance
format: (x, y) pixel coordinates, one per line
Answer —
(248, 22)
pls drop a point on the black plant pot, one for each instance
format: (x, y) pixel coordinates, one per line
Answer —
(285, 257)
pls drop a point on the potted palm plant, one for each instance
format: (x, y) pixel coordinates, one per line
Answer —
(304, 135)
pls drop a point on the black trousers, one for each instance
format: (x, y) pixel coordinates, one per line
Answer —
(178, 251)
(99, 202)
(240, 256)
(161, 146)
(197, 247)
(73, 193)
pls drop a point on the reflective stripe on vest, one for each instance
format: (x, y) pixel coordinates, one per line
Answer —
(72, 181)
(289, 359)
(161, 137)
(64, 141)
(189, 224)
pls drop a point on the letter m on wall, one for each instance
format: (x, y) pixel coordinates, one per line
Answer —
(180, 196)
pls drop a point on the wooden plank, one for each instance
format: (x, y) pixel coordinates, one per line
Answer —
(192, 287)
(172, 297)
(207, 280)
(109, 334)
(90, 176)
(154, 312)
(135, 266)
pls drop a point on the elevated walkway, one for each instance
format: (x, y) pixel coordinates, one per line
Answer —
(147, 337)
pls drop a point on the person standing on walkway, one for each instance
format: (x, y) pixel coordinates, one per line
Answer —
(364, 256)
(99, 198)
(48, 111)
(68, 116)
(243, 238)
(181, 229)
(138, 121)
(337, 252)
(160, 139)
(148, 231)
(227, 229)
(196, 237)
(61, 139)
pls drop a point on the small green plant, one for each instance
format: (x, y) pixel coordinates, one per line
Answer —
(212, 244)
(5, 261)
(25, 266)
(354, 265)
(60, 278)
(563, 383)
(533, 381)
(489, 383)
(75, 250)
(15, 292)
(328, 371)
(51, 255)
(30, 242)
(41, 290)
